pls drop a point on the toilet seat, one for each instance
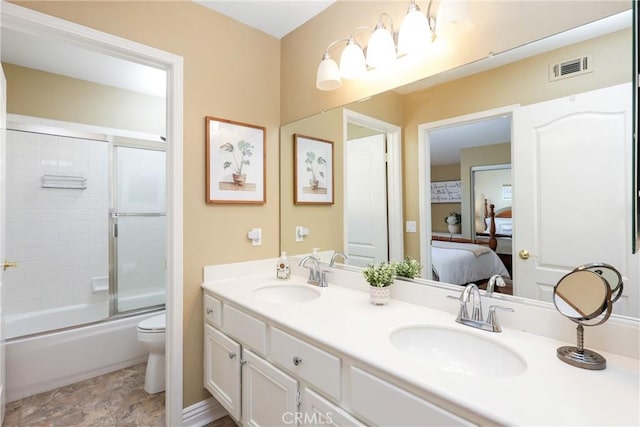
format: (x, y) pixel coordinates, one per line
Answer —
(155, 324)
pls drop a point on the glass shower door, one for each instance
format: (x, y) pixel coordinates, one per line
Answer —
(139, 230)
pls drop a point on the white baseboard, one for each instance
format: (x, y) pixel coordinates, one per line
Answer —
(202, 413)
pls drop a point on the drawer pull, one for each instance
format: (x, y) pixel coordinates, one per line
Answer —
(232, 355)
(297, 360)
(209, 310)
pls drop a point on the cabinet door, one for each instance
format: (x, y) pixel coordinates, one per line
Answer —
(315, 410)
(268, 394)
(222, 369)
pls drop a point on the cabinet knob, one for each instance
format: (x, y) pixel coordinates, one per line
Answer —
(209, 310)
(231, 355)
(297, 360)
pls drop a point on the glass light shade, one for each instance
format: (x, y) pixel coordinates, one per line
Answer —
(381, 50)
(352, 62)
(328, 76)
(414, 35)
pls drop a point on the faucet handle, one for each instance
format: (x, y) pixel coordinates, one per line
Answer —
(323, 277)
(463, 313)
(492, 319)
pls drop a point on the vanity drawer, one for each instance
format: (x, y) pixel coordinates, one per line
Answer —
(319, 368)
(383, 403)
(245, 328)
(212, 310)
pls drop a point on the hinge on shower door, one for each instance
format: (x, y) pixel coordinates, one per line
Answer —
(115, 231)
(298, 399)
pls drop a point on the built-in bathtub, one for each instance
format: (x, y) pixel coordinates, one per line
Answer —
(42, 362)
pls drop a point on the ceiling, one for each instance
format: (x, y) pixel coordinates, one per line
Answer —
(277, 18)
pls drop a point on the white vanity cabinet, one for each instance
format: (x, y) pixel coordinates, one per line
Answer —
(264, 376)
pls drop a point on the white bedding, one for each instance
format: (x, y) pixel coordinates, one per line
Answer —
(460, 267)
(503, 226)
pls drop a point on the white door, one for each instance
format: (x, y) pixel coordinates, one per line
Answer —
(366, 200)
(222, 369)
(3, 185)
(268, 394)
(581, 146)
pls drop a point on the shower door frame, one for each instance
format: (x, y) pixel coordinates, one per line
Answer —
(26, 20)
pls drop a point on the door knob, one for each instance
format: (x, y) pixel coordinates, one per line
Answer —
(9, 264)
(524, 254)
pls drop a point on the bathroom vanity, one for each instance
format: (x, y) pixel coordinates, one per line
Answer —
(282, 352)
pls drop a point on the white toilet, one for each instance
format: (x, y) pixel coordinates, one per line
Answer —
(151, 333)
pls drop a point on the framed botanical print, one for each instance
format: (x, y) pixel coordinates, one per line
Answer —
(235, 156)
(313, 171)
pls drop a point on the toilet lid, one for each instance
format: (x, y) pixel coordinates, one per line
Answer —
(154, 323)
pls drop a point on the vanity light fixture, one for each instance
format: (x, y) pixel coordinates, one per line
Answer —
(415, 35)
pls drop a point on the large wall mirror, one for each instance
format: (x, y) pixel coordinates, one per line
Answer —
(496, 85)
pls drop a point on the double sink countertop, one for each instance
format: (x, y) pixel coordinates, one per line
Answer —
(547, 392)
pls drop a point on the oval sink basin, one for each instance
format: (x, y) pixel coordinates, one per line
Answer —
(457, 351)
(287, 293)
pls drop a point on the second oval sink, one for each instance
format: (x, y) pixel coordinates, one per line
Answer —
(457, 351)
(287, 293)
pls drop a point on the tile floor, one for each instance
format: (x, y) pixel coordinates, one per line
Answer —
(116, 399)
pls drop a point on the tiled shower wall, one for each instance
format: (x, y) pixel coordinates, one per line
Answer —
(59, 236)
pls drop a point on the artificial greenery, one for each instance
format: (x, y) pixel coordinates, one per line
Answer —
(380, 275)
(453, 218)
(409, 268)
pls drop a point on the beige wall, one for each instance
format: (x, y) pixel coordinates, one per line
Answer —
(52, 96)
(439, 211)
(230, 71)
(498, 26)
(524, 82)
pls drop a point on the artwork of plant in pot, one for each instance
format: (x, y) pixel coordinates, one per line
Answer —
(239, 160)
(380, 278)
(453, 221)
(408, 268)
(314, 163)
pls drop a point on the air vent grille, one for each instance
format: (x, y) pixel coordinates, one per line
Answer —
(571, 67)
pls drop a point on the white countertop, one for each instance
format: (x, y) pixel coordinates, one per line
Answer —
(548, 392)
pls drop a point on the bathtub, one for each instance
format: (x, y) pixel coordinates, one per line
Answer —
(39, 363)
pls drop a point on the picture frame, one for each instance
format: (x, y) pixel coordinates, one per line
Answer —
(235, 162)
(446, 192)
(313, 171)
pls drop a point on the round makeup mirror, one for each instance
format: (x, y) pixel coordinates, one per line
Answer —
(585, 296)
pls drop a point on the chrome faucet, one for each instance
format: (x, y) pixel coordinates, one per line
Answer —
(475, 320)
(335, 255)
(317, 277)
(495, 280)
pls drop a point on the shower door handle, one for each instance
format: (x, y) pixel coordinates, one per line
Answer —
(9, 264)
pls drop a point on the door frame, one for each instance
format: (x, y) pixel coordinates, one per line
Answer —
(394, 177)
(424, 175)
(27, 20)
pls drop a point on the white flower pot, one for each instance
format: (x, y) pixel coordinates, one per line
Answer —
(380, 295)
(454, 228)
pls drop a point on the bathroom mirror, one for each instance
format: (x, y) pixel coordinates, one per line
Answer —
(326, 223)
(585, 295)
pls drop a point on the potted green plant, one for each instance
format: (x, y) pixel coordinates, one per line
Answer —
(313, 163)
(380, 278)
(409, 268)
(244, 148)
(453, 221)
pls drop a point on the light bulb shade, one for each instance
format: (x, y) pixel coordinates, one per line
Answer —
(328, 75)
(381, 50)
(352, 62)
(415, 34)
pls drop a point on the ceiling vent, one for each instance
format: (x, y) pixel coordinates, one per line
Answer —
(571, 67)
